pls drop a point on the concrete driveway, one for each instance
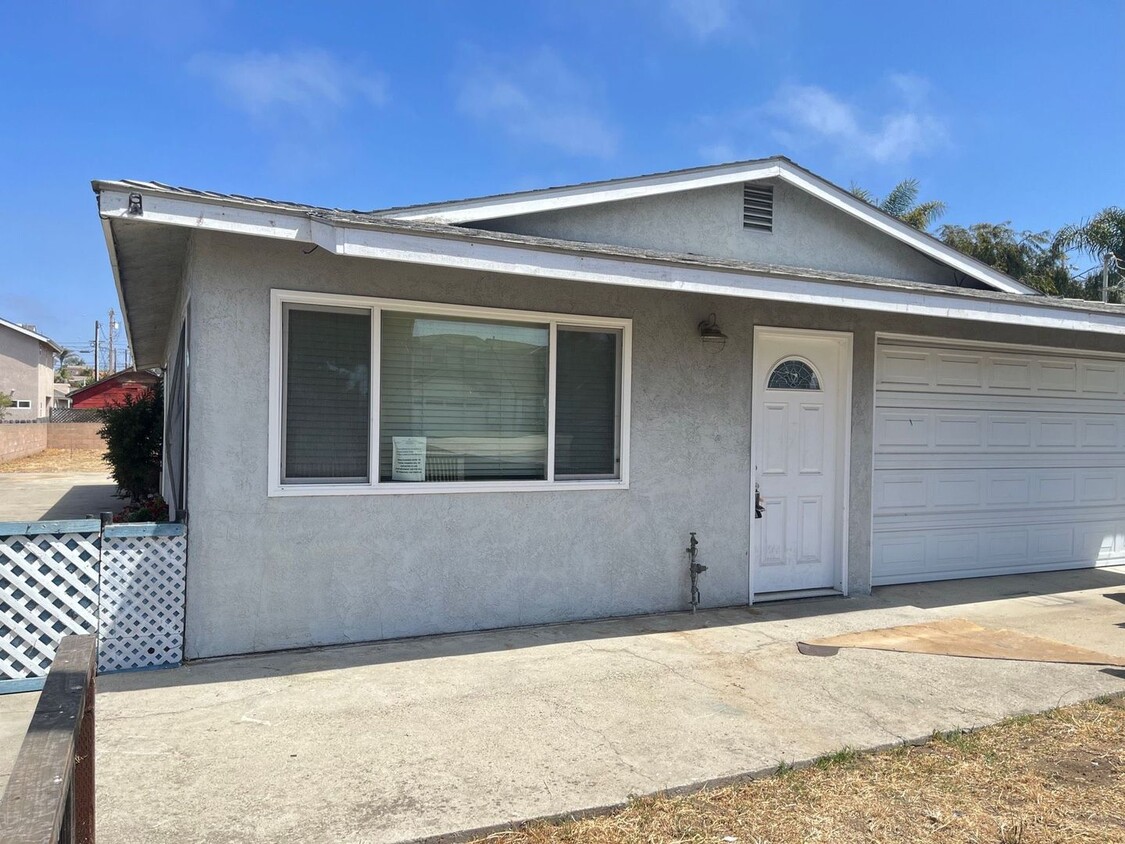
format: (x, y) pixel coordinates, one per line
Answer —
(391, 742)
(31, 496)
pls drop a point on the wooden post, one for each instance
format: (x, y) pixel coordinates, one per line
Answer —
(82, 788)
(51, 787)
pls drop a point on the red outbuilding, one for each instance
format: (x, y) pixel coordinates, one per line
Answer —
(113, 389)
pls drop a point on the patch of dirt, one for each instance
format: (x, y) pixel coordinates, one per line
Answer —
(59, 460)
(1082, 767)
(1058, 776)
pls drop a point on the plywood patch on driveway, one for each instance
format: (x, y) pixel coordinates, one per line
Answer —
(960, 637)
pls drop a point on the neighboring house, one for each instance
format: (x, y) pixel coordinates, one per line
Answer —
(27, 371)
(62, 395)
(113, 389)
(514, 409)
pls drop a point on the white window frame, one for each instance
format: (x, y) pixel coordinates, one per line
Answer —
(279, 298)
(21, 404)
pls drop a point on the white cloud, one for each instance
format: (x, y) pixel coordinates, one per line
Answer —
(701, 18)
(537, 99)
(804, 113)
(718, 152)
(311, 85)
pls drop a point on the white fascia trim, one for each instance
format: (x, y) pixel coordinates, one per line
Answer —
(517, 260)
(207, 215)
(111, 247)
(552, 199)
(474, 210)
(35, 335)
(506, 258)
(887, 224)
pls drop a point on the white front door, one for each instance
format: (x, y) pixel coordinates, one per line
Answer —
(799, 429)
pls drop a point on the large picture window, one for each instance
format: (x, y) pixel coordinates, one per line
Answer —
(389, 396)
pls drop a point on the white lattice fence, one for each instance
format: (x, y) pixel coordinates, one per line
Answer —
(48, 588)
(124, 582)
(141, 622)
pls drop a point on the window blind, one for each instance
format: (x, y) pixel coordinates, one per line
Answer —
(587, 409)
(468, 397)
(327, 394)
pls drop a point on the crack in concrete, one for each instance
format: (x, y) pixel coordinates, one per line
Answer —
(559, 710)
(196, 707)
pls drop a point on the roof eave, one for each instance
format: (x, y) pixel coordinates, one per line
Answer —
(111, 248)
(34, 335)
(507, 254)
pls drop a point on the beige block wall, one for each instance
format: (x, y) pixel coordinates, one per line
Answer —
(23, 440)
(74, 435)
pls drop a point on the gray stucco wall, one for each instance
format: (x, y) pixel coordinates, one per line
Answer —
(27, 373)
(806, 232)
(269, 573)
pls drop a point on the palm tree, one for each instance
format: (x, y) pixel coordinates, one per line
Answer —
(902, 202)
(1030, 257)
(1101, 235)
(67, 358)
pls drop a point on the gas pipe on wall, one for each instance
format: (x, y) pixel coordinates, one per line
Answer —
(694, 569)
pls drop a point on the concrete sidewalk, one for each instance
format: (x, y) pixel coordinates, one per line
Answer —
(391, 742)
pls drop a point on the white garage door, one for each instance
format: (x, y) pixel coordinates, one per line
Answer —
(995, 460)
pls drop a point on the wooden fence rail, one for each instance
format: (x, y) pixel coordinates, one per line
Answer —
(50, 794)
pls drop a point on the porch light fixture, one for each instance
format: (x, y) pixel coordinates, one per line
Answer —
(713, 339)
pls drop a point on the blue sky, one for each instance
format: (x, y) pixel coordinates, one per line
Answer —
(1005, 110)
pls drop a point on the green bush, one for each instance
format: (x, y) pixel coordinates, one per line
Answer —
(133, 434)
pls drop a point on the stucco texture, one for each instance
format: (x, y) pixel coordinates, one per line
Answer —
(268, 573)
(26, 373)
(807, 232)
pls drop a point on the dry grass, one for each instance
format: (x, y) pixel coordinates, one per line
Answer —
(59, 460)
(1056, 777)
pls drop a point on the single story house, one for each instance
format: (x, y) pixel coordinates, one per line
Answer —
(113, 389)
(27, 371)
(515, 409)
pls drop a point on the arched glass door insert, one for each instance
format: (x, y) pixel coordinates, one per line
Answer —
(793, 374)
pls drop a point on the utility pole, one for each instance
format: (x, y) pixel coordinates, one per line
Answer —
(97, 346)
(1106, 258)
(112, 328)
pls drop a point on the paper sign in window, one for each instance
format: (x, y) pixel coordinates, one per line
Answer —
(408, 462)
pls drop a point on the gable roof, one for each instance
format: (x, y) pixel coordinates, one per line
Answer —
(124, 376)
(468, 211)
(46, 341)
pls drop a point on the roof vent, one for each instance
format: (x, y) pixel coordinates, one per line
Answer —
(757, 207)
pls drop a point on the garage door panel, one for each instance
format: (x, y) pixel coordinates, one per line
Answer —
(992, 461)
(958, 370)
(1098, 517)
(970, 430)
(995, 371)
(1100, 379)
(999, 461)
(954, 551)
(1048, 490)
